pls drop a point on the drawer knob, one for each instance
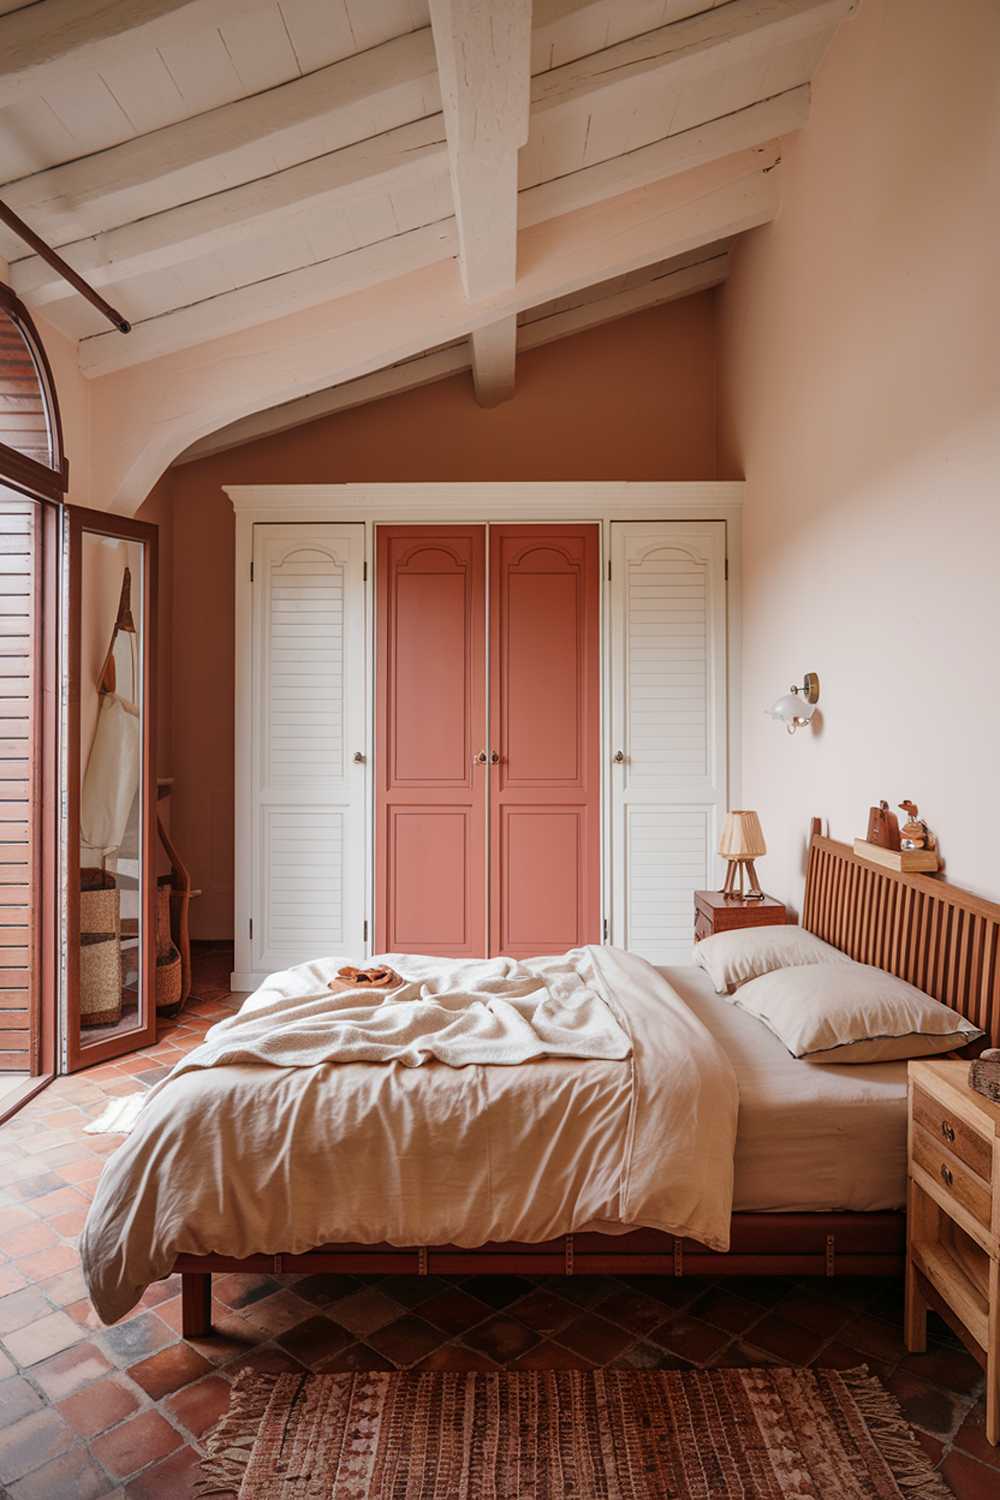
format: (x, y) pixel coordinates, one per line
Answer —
(948, 1131)
(946, 1174)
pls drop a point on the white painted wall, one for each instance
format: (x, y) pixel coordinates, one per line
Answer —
(861, 398)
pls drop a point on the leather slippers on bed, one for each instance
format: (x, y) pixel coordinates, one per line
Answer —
(379, 978)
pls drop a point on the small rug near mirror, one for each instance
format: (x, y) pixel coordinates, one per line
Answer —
(759, 1434)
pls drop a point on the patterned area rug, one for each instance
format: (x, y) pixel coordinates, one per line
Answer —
(756, 1434)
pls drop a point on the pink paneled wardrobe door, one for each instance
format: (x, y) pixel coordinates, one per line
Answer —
(512, 806)
(545, 728)
(430, 725)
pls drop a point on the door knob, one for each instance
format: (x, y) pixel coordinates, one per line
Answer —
(494, 758)
(619, 756)
(359, 757)
(480, 759)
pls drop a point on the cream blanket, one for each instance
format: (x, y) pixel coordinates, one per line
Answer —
(258, 1142)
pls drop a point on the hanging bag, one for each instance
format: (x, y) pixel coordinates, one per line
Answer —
(112, 778)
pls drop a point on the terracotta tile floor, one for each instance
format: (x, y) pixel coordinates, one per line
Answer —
(87, 1411)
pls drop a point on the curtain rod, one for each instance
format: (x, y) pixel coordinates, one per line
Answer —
(55, 260)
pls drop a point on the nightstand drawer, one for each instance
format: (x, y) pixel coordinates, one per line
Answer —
(950, 1131)
(960, 1185)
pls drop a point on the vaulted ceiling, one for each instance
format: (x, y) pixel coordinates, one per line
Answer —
(213, 165)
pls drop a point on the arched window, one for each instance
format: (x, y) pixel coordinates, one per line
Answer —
(31, 451)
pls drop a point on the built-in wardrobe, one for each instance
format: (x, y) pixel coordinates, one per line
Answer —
(487, 739)
(476, 737)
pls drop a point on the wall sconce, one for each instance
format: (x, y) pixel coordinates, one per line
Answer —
(795, 708)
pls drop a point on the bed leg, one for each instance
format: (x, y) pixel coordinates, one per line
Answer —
(196, 1304)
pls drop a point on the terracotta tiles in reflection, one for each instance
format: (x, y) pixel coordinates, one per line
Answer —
(69, 1371)
(169, 1370)
(32, 1441)
(199, 1406)
(406, 1340)
(135, 1443)
(100, 1406)
(502, 1338)
(173, 1479)
(74, 1475)
(135, 1339)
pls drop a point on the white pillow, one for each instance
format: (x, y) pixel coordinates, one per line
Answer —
(836, 1013)
(731, 958)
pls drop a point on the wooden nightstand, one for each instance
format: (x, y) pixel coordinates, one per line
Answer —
(714, 912)
(953, 1223)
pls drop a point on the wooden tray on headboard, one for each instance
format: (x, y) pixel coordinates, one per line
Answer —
(932, 934)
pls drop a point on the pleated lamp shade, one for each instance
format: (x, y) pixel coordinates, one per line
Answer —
(742, 836)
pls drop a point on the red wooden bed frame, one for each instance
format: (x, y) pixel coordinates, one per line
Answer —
(940, 938)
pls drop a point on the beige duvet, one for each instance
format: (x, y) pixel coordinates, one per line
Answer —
(243, 1157)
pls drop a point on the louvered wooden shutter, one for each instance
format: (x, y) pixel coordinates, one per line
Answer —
(309, 721)
(18, 544)
(668, 679)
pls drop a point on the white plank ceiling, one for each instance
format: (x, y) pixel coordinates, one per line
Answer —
(213, 164)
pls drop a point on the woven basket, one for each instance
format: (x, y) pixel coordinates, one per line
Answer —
(984, 1075)
(100, 979)
(100, 902)
(168, 983)
(164, 941)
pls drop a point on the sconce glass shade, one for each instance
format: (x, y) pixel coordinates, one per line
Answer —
(792, 709)
(742, 836)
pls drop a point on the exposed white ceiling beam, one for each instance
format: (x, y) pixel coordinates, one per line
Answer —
(42, 42)
(691, 209)
(742, 130)
(494, 355)
(730, 34)
(425, 369)
(412, 156)
(667, 287)
(231, 311)
(300, 288)
(389, 85)
(484, 64)
(129, 198)
(143, 417)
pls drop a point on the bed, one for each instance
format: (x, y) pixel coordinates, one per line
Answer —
(819, 1168)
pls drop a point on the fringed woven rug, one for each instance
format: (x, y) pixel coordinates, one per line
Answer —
(759, 1434)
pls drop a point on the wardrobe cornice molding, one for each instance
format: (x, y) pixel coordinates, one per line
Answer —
(633, 500)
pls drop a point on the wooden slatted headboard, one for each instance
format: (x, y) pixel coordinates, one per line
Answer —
(934, 935)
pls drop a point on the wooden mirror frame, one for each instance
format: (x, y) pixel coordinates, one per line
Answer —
(80, 521)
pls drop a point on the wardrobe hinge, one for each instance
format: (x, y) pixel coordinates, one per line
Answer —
(609, 570)
(727, 569)
(364, 572)
(365, 934)
(251, 572)
(605, 929)
(251, 929)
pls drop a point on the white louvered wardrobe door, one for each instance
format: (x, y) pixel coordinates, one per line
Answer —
(309, 721)
(668, 717)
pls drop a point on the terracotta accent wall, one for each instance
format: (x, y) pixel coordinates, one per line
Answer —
(632, 400)
(861, 398)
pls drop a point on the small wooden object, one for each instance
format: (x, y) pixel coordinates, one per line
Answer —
(984, 1074)
(953, 1227)
(906, 861)
(714, 911)
(883, 827)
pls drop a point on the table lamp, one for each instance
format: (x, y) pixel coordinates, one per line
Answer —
(741, 843)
